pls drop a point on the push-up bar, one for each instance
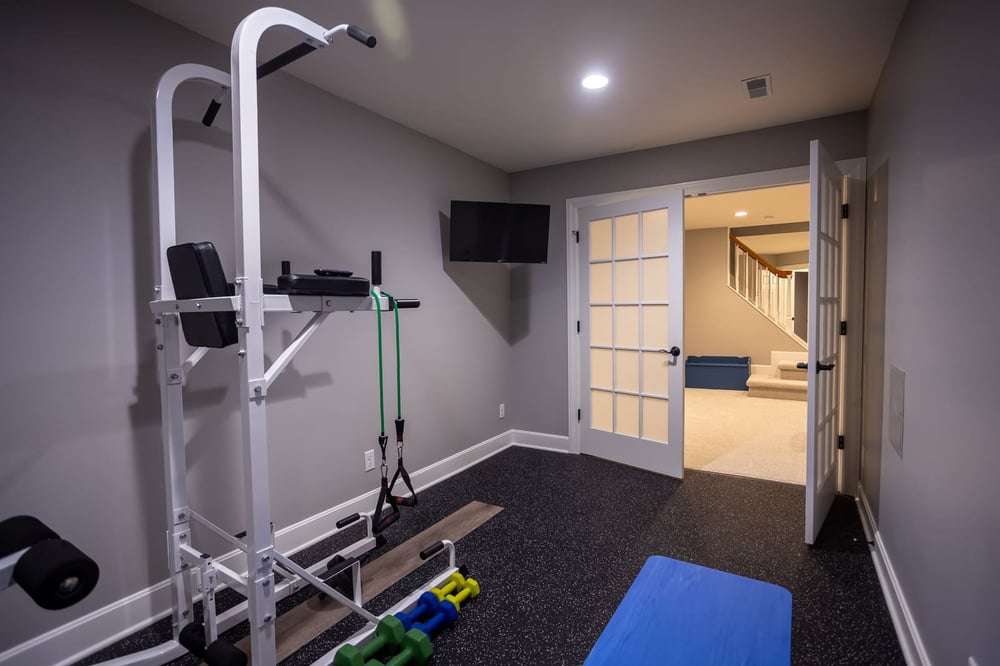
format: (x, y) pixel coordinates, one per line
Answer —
(287, 58)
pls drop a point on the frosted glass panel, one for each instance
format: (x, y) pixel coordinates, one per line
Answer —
(654, 372)
(654, 419)
(600, 283)
(601, 368)
(628, 415)
(601, 326)
(655, 280)
(627, 236)
(654, 326)
(600, 239)
(627, 326)
(654, 232)
(602, 416)
(626, 281)
(627, 371)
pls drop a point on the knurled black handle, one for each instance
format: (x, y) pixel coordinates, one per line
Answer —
(347, 520)
(431, 551)
(211, 112)
(365, 38)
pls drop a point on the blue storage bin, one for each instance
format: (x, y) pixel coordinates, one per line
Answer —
(717, 372)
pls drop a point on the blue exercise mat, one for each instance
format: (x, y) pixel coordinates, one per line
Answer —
(681, 613)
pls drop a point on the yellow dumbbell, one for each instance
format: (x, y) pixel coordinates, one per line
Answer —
(469, 591)
(455, 583)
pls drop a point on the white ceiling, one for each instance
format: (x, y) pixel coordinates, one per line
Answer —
(764, 207)
(499, 79)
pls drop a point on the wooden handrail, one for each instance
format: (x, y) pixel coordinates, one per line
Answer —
(760, 260)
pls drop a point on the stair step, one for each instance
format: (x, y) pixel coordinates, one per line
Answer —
(767, 386)
(788, 370)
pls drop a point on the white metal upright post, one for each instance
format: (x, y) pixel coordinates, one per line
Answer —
(168, 344)
(250, 318)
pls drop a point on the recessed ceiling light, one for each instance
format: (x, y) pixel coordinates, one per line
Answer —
(594, 81)
(740, 213)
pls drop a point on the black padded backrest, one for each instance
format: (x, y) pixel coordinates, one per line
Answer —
(196, 272)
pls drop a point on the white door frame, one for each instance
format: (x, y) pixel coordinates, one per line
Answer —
(855, 168)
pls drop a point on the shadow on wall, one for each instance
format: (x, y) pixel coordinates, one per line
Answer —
(487, 285)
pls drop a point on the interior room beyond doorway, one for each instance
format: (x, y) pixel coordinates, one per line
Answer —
(746, 261)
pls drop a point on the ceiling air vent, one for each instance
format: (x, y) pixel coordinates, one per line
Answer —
(757, 86)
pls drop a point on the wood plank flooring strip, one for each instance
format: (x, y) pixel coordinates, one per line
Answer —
(308, 620)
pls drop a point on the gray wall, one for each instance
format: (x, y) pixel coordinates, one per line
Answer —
(939, 510)
(540, 402)
(80, 423)
(716, 320)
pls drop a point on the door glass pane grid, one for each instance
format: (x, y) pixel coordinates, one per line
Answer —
(629, 403)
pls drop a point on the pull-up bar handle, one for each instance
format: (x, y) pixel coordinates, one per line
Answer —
(365, 38)
(288, 57)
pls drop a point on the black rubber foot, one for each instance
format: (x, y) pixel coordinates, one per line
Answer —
(192, 638)
(55, 574)
(224, 653)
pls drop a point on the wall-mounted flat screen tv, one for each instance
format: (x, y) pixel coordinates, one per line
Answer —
(514, 233)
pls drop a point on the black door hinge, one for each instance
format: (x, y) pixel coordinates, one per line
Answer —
(576, 235)
(577, 325)
(840, 442)
(843, 328)
(845, 210)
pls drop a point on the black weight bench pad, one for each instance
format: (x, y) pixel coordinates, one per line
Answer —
(323, 285)
(196, 272)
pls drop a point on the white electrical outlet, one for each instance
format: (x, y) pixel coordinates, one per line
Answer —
(369, 460)
(501, 410)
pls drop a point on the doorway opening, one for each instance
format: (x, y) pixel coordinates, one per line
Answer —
(746, 313)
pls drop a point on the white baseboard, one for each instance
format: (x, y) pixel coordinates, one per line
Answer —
(902, 619)
(75, 640)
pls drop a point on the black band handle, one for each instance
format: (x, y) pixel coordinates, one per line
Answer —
(347, 520)
(376, 268)
(387, 519)
(365, 38)
(211, 112)
(431, 551)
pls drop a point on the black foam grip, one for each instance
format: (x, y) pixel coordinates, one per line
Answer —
(404, 303)
(405, 501)
(210, 113)
(376, 267)
(399, 429)
(347, 520)
(431, 551)
(283, 59)
(362, 36)
(387, 520)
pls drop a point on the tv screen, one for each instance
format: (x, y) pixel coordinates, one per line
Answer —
(499, 232)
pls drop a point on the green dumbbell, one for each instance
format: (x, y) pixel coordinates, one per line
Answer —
(469, 591)
(388, 632)
(415, 650)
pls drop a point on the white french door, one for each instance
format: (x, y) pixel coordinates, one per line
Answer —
(826, 184)
(631, 332)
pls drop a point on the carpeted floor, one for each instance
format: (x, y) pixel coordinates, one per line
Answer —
(732, 433)
(574, 532)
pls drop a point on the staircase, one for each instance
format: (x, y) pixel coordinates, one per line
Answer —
(781, 380)
(766, 288)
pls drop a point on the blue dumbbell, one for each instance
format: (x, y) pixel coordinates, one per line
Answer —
(427, 604)
(445, 615)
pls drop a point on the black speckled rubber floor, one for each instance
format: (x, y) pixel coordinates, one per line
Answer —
(555, 563)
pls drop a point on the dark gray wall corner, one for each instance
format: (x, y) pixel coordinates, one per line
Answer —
(936, 158)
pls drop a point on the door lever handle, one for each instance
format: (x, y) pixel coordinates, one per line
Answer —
(674, 351)
(819, 366)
